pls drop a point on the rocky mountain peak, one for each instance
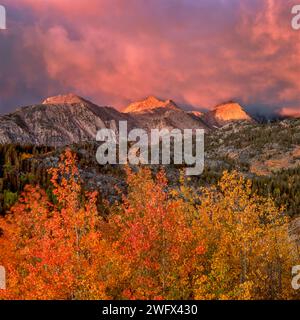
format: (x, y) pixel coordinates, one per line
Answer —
(152, 100)
(69, 98)
(58, 121)
(150, 103)
(231, 111)
(226, 113)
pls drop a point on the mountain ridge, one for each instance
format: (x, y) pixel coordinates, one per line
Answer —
(68, 118)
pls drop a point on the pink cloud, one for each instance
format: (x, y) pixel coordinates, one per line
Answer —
(290, 112)
(116, 51)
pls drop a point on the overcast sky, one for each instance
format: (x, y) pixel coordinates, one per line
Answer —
(196, 52)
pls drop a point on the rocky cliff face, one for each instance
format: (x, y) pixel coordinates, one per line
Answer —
(226, 113)
(67, 119)
(154, 113)
(58, 121)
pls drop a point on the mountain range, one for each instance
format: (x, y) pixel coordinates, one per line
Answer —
(66, 119)
(267, 152)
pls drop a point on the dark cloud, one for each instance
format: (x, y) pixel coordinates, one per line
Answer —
(197, 52)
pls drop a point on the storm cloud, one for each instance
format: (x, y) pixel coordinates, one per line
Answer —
(196, 52)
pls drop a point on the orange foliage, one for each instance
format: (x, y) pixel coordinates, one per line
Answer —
(49, 250)
(156, 236)
(158, 244)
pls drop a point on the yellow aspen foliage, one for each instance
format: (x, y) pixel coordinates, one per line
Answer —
(217, 242)
(248, 253)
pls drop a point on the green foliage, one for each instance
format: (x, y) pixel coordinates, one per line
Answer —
(9, 198)
(283, 187)
(17, 170)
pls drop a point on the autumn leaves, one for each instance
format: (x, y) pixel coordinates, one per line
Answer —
(156, 245)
